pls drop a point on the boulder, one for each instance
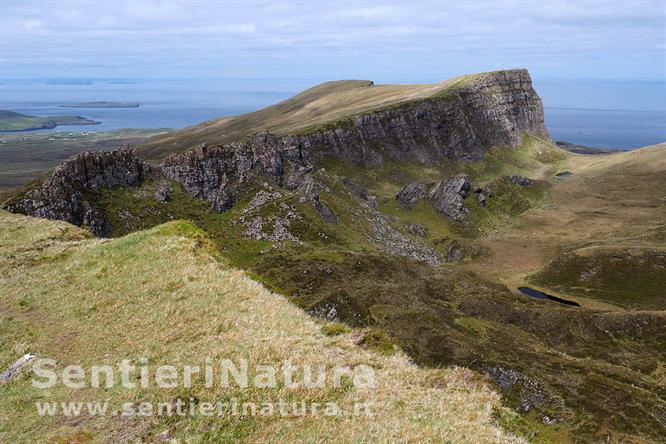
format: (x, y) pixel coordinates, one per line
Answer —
(411, 193)
(449, 195)
(481, 198)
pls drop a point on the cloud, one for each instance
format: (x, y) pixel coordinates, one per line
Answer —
(566, 38)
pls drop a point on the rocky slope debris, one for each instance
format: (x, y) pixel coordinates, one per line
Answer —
(360, 192)
(275, 227)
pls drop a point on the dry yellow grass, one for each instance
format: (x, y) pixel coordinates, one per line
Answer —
(161, 295)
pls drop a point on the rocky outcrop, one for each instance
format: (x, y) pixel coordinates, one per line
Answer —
(61, 196)
(449, 196)
(214, 173)
(520, 180)
(411, 193)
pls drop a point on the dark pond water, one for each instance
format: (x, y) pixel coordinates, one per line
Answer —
(541, 295)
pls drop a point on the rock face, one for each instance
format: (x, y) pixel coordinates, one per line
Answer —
(213, 174)
(460, 123)
(449, 195)
(61, 195)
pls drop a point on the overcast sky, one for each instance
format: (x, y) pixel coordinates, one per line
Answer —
(384, 41)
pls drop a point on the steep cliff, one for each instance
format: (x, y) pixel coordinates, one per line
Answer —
(61, 195)
(458, 122)
(503, 98)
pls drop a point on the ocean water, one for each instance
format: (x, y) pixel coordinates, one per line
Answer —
(606, 128)
(597, 114)
(163, 104)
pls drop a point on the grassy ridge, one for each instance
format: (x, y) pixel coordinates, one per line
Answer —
(162, 295)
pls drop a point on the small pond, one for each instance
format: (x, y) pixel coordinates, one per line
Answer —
(541, 295)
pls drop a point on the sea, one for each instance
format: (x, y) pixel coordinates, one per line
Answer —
(618, 115)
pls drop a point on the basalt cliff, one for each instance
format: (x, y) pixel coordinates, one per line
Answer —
(457, 122)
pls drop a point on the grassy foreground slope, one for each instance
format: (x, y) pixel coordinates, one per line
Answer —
(325, 103)
(165, 296)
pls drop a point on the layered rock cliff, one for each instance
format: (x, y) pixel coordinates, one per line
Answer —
(461, 121)
(457, 123)
(62, 194)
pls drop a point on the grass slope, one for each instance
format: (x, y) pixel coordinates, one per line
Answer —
(163, 295)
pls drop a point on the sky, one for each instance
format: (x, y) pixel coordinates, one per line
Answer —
(415, 41)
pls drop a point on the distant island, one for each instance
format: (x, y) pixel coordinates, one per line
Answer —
(121, 82)
(69, 82)
(11, 121)
(102, 105)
